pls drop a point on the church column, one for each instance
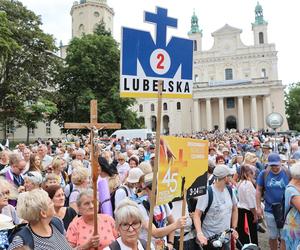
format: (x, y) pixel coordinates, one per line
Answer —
(196, 115)
(253, 113)
(208, 115)
(241, 122)
(221, 114)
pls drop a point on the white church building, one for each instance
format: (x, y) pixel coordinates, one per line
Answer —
(235, 86)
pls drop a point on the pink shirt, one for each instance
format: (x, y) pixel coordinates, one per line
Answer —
(79, 232)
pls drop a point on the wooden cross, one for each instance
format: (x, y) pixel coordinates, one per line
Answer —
(91, 126)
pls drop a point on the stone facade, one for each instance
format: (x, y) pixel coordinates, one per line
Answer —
(235, 86)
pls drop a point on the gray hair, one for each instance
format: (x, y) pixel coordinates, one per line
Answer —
(31, 203)
(14, 159)
(126, 210)
(295, 170)
(85, 192)
(34, 176)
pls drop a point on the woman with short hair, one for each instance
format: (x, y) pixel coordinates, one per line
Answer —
(81, 230)
(291, 229)
(57, 195)
(32, 180)
(47, 232)
(128, 223)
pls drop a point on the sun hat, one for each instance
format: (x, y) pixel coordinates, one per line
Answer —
(274, 159)
(221, 171)
(145, 167)
(134, 175)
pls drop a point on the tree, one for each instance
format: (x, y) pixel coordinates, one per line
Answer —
(292, 106)
(92, 72)
(30, 113)
(28, 69)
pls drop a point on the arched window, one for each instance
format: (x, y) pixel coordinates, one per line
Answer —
(195, 45)
(178, 106)
(261, 37)
(228, 74)
(263, 73)
(165, 106)
(196, 78)
(152, 107)
(141, 108)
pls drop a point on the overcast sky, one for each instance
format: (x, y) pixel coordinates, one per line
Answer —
(282, 16)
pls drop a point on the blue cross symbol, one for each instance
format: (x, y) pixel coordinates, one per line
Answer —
(162, 21)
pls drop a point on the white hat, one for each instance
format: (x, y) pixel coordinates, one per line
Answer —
(221, 171)
(134, 175)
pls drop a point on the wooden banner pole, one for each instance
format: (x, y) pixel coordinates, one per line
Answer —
(183, 210)
(95, 178)
(156, 162)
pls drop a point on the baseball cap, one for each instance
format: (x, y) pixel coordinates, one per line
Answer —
(221, 171)
(134, 175)
(274, 159)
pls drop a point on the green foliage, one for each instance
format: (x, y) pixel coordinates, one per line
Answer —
(92, 72)
(28, 68)
(292, 105)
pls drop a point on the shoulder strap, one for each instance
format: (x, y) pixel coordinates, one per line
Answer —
(125, 189)
(210, 200)
(71, 187)
(58, 224)
(229, 190)
(115, 245)
(26, 236)
(144, 243)
(266, 173)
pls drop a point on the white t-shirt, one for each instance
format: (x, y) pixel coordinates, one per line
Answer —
(246, 195)
(124, 247)
(123, 170)
(160, 213)
(218, 217)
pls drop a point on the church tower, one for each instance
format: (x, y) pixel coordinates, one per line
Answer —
(87, 14)
(195, 33)
(260, 27)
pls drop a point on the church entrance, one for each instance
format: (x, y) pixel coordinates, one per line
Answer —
(231, 122)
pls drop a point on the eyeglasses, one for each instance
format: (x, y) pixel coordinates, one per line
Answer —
(134, 225)
(121, 160)
(2, 194)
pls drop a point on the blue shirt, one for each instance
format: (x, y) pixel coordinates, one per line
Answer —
(274, 187)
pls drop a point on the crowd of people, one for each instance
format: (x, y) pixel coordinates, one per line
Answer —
(46, 200)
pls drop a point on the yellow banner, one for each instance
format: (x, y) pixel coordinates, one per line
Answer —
(181, 159)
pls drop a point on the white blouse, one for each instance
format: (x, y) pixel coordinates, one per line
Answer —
(246, 195)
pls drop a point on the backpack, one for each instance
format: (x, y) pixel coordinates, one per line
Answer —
(210, 200)
(116, 246)
(278, 208)
(24, 232)
(112, 197)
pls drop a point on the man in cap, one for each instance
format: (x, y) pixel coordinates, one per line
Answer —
(271, 184)
(222, 213)
(266, 149)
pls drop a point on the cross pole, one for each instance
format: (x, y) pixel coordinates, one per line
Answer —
(92, 126)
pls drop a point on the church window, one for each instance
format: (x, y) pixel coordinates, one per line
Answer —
(48, 127)
(141, 108)
(165, 106)
(230, 103)
(263, 73)
(96, 14)
(178, 106)
(81, 27)
(195, 45)
(261, 37)
(10, 127)
(152, 107)
(228, 74)
(196, 78)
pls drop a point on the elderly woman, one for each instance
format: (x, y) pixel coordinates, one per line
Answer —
(5, 208)
(80, 231)
(4, 159)
(57, 195)
(32, 180)
(46, 231)
(80, 181)
(128, 223)
(122, 167)
(291, 230)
